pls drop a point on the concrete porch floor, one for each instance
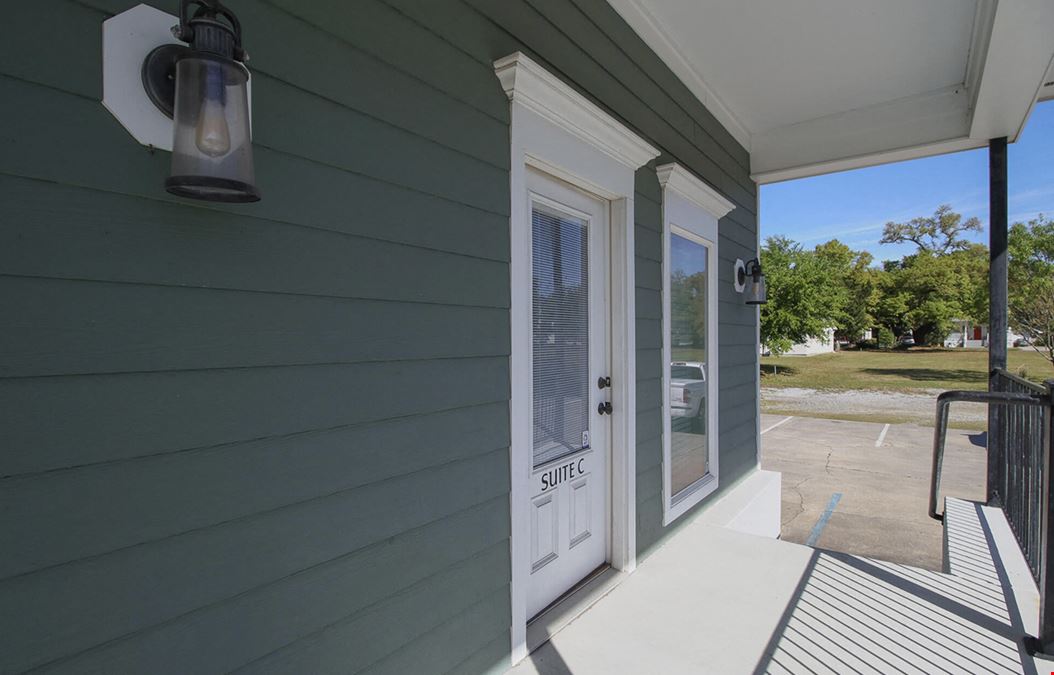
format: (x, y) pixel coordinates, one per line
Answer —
(714, 600)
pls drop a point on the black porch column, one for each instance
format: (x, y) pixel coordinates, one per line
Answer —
(997, 311)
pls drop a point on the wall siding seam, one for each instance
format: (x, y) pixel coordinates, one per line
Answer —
(235, 289)
(218, 446)
(258, 145)
(738, 364)
(154, 627)
(746, 424)
(358, 49)
(213, 369)
(267, 512)
(117, 373)
(499, 643)
(499, 592)
(388, 123)
(385, 600)
(735, 387)
(246, 291)
(45, 85)
(486, 66)
(378, 179)
(246, 517)
(168, 202)
(387, 64)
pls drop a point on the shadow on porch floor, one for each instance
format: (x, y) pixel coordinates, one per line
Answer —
(717, 601)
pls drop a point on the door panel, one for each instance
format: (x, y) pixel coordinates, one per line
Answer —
(569, 353)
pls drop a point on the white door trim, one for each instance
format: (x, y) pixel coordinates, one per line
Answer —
(555, 129)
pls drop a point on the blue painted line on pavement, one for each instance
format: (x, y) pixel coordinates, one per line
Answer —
(817, 529)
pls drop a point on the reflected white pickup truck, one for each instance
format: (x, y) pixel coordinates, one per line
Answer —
(688, 393)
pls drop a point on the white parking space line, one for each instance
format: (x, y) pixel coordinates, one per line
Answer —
(782, 421)
(881, 436)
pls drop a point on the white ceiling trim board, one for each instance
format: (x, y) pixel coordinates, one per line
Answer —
(1019, 55)
(915, 120)
(871, 159)
(980, 38)
(980, 77)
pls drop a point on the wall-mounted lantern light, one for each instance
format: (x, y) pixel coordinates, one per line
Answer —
(750, 281)
(199, 93)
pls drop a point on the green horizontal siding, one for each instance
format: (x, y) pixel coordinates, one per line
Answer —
(274, 437)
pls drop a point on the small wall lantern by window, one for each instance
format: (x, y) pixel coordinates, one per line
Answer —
(201, 90)
(750, 281)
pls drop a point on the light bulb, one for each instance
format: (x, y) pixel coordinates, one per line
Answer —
(213, 136)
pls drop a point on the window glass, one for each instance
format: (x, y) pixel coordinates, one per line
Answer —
(689, 330)
(560, 334)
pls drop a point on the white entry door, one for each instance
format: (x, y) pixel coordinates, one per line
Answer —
(570, 362)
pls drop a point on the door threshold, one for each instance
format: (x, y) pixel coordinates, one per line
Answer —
(572, 604)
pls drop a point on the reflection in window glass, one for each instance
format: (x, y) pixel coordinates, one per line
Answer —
(689, 454)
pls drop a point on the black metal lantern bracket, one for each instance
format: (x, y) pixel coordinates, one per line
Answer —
(212, 29)
(752, 269)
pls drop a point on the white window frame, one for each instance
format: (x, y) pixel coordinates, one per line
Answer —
(558, 131)
(691, 209)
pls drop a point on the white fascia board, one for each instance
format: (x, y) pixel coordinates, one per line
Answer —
(529, 84)
(980, 37)
(916, 126)
(677, 178)
(1046, 92)
(1020, 51)
(874, 159)
(650, 29)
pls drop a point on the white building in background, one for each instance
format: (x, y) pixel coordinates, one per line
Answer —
(811, 347)
(814, 346)
(970, 335)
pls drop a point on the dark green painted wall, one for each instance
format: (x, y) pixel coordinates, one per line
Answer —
(274, 437)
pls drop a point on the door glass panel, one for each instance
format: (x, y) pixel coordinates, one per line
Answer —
(689, 331)
(560, 337)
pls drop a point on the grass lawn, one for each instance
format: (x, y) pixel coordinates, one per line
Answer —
(897, 370)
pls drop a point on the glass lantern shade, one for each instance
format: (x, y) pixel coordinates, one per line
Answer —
(212, 156)
(756, 293)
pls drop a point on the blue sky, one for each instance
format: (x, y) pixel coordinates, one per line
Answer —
(852, 206)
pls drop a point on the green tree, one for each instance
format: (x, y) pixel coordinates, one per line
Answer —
(926, 292)
(803, 296)
(857, 292)
(1031, 283)
(939, 234)
(945, 279)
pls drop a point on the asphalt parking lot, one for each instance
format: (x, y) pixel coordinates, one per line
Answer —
(863, 487)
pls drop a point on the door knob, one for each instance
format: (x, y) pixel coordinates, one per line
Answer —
(603, 382)
(604, 408)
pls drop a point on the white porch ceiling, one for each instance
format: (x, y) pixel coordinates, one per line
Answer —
(814, 86)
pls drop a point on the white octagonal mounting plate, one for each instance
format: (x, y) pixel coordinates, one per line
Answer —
(126, 40)
(736, 267)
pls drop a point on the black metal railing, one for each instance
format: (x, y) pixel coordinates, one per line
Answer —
(1020, 451)
(1015, 480)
